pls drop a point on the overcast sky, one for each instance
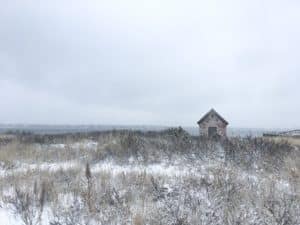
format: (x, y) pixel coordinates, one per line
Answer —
(155, 62)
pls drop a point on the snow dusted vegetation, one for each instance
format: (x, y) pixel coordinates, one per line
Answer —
(131, 177)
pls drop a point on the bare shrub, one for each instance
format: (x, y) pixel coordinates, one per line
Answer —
(88, 198)
(29, 204)
(72, 213)
(282, 207)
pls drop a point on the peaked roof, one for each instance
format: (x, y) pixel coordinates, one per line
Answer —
(214, 112)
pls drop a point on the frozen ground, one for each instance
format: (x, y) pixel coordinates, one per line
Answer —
(168, 178)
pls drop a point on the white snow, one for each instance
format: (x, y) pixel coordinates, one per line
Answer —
(161, 169)
(52, 167)
(85, 144)
(7, 218)
(155, 169)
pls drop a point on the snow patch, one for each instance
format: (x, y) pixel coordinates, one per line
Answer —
(85, 144)
(7, 218)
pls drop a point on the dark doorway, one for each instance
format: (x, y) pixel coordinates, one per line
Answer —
(212, 131)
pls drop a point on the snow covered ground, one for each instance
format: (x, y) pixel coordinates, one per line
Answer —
(197, 170)
(7, 218)
(144, 184)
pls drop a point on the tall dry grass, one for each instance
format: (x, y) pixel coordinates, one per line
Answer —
(237, 181)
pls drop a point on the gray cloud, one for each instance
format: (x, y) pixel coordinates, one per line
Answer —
(148, 62)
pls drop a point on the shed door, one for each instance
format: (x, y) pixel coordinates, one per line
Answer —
(212, 131)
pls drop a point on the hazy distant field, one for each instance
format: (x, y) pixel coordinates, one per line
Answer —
(291, 140)
(56, 129)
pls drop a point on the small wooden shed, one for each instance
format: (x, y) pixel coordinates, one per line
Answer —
(212, 124)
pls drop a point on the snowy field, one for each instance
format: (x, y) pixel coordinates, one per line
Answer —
(148, 178)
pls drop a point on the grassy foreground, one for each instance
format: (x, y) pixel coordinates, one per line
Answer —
(169, 177)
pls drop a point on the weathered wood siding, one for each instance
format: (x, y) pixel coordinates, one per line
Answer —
(213, 121)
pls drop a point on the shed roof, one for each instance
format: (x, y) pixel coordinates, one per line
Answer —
(214, 112)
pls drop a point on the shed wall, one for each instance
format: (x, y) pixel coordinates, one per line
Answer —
(213, 121)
